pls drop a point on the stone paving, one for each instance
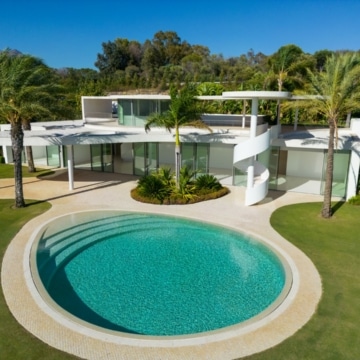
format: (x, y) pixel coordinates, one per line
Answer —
(96, 191)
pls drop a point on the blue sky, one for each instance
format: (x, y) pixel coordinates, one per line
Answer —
(70, 33)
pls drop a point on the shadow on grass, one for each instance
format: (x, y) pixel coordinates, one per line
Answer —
(337, 206)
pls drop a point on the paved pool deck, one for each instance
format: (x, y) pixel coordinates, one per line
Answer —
(100, 191)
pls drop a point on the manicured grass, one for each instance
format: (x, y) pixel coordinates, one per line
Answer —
(7, 171)
(334, 247)
(15, 342)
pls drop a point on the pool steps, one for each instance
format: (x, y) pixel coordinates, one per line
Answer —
(59, 248)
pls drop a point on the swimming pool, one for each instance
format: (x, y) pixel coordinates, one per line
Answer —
(156, 275)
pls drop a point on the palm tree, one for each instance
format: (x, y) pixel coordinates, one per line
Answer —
(287, 70)
(26, 88)
(183, 111)
(337, 92)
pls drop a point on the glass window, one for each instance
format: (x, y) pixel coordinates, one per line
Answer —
(139, 159)
(202, 158)
(125, 112)
(145, 158)
(96, 157)
(187, 155)
(340, 173)
(270, 159)
(53, 155)
(152, 157)
(107, 157)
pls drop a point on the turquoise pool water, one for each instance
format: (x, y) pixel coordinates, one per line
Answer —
(156, 275)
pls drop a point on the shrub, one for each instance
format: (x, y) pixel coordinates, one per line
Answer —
(150, 186)
(160, 188)
(355, 200)
(166, 176)
(207, 182)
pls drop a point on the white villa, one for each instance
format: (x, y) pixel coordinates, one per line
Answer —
(242, 150)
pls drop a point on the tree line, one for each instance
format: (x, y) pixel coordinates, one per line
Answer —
(166, 60)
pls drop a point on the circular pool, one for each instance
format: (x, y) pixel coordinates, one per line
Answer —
(155, 275)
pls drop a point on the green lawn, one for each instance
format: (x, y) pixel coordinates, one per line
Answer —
(15, 342)
(7, 171)
(333, 245)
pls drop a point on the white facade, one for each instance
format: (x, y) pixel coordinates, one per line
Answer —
(242, 150)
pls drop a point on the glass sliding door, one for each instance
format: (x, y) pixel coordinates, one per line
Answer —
(270, 158)
(125, 112)
(188, 156)
(53, 155)
(107, 157)
(145, 158)
(151, 157)
(340, 173)
(96, 157)
(202, 159)
(102, 157)
(139, 159)
(195, 157)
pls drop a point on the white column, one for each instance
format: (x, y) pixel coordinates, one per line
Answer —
(61, 154)
(254, 116)
(244, 114)
(70, 163)
(253, 125)
(296, 118)
(348, 119)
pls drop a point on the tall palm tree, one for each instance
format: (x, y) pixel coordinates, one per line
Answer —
(337, 92)
(183, 111)
(26, 90)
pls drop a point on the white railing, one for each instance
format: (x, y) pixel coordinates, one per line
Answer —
(257, 190)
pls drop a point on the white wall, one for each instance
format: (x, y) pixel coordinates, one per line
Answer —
(82, 154)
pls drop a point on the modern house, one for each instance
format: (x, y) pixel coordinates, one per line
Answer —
(242, 150)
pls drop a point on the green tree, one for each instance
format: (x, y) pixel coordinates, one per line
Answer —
(288, 67)
(26, 89)
(76, 83)
(320, 57)
(184, 110)
(287, 70)
(117, 55)
(337, 92)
